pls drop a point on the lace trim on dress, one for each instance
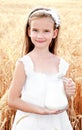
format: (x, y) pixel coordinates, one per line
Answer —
(29, 66)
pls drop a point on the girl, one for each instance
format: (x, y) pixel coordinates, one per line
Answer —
(34, 71)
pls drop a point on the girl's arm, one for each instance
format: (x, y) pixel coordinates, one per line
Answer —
(14, 99)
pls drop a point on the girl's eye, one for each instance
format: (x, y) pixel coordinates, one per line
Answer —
(46, 31)
(35, 30)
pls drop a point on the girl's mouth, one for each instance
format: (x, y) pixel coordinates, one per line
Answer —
(39, 41)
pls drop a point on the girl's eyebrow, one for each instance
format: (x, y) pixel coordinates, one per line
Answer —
(34, 28)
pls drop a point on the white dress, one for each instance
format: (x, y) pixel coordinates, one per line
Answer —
(34, 91)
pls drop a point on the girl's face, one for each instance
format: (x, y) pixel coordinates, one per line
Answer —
(42, 31)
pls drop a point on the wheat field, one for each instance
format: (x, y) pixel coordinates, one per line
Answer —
(13, 16)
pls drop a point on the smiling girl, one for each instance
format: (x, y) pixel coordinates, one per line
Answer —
(35, 71)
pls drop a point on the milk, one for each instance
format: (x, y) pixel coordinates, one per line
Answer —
(55, 95)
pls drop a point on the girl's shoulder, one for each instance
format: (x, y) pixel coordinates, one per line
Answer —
(63, 65)
(60, 59)
(63, 61)
(24, 57)
(28, 67)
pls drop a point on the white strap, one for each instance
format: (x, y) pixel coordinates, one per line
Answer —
(63, 67)
(28, 66)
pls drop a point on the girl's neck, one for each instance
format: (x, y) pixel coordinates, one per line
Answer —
(42, 53)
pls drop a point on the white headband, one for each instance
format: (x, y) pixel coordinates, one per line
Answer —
(55, 16)
(52, 12)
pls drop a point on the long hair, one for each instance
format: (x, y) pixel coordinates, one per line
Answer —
(28, 45)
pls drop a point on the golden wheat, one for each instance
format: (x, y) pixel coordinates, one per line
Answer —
(13, 15)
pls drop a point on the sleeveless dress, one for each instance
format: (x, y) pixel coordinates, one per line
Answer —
(34, 91)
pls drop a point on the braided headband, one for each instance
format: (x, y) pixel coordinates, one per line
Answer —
(50, 12)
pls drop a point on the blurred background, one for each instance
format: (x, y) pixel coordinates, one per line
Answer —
(13, 18)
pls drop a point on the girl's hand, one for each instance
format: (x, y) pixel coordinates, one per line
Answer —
(48, 111)
(69, 86)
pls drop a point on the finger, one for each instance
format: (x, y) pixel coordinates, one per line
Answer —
(60, 111)
(69, 81)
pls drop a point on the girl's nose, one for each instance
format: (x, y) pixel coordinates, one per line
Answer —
(40, 35)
